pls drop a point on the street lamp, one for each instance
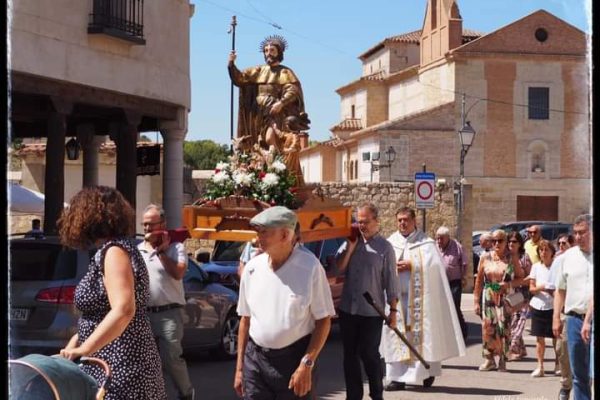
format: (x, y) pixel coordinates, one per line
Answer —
(72, 147)
(466, 135)
(374, 159)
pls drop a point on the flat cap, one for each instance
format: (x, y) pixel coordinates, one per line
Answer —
(275, 217)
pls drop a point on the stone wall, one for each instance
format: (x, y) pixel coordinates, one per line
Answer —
(389, 197)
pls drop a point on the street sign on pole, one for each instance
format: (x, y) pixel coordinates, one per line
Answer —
(424, 190)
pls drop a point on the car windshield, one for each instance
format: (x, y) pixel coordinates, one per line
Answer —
(41, 262)
(226, 251)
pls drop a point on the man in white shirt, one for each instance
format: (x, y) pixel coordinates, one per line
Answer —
(285, 307)
(575, 271)
(166, 262)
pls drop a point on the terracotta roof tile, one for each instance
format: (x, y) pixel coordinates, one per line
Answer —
(349, 124)
(108, 148)
(414, 37)
(377, 76)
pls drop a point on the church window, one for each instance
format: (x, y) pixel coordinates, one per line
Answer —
(539, 103)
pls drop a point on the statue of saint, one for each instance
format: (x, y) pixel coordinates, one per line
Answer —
(268, 94)
(286, 142)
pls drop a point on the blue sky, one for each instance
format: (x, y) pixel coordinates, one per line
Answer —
(325, 38)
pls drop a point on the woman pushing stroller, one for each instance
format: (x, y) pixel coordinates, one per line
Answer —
(112, 296)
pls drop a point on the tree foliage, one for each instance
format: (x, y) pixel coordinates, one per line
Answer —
(204, 154)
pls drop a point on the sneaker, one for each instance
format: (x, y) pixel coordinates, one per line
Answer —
(394, 386)
(514, 357)
(557, 369)
(537, 373)
(488, 365)
(563, 394)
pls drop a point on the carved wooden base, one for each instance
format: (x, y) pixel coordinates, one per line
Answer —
(228, 218)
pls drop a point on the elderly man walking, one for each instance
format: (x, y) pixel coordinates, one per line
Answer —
(166, 262)
(575, 271)
(456, 270)
(286, 307)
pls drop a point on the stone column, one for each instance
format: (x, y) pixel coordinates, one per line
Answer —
(125, 139)
(54, 178)
(90, 143)
(173, 175)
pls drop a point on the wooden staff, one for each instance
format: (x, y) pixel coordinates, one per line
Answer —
(232, 31)
(370, 300)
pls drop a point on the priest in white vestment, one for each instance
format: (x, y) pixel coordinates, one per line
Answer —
(426, 313)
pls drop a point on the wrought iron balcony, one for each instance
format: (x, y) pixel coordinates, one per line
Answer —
(123, 19)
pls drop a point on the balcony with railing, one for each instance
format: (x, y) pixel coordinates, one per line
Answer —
(123, 19)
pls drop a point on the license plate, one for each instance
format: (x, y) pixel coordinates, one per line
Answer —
(19, 314)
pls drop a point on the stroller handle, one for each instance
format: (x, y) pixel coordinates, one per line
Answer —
(102, 364)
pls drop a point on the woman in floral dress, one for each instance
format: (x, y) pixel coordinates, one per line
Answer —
(498, 271)
(112, 296)
(519, 317)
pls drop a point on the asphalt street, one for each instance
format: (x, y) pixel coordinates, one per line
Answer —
(460, 377)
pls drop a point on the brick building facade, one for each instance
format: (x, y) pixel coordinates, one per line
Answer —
(525, 88)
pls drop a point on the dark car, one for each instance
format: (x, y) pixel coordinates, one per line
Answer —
(224, 261)
(550, 229)
(42, 316)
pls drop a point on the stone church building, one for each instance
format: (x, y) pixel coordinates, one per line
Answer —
(524, 88)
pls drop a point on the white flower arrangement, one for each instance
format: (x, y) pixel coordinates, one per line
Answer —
(258, 175)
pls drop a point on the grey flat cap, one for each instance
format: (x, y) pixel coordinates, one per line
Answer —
(275, 217)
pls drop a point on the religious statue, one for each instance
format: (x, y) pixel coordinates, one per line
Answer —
(268, 95)
(286, 142)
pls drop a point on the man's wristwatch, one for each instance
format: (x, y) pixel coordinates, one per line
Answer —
(307, 361)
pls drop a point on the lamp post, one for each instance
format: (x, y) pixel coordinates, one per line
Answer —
(390, 157)
(466, 135)
(72, 147)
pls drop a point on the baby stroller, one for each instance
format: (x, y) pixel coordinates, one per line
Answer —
(42, 377)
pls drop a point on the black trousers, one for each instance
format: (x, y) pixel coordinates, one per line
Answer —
(267, 373)
(456, 290)
(361, 337)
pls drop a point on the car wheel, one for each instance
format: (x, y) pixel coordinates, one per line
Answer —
(227, 348)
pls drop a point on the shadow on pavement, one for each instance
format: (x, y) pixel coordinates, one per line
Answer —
(472, 391)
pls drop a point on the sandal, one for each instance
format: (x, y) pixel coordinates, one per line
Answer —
(488, 365)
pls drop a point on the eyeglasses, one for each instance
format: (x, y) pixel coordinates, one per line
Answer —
(151, 223)
(532, 232)
(513, 241)
(496, 241)
(563, 243)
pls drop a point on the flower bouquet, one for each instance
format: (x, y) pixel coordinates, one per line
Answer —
(260, 175)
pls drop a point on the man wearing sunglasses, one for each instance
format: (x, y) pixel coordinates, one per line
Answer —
(534, 232)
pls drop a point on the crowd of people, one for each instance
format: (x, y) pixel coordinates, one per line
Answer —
(552, 283)
(132, 296)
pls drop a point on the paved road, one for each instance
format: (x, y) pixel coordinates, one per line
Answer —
(460, 378)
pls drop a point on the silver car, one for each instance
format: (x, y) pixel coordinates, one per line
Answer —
(42, 316)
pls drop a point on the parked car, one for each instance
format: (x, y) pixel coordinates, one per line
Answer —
(224, 261)
(42, 316)
(477, 250)
(550, 229)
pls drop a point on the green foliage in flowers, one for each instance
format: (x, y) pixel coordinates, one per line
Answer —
(258, 175)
